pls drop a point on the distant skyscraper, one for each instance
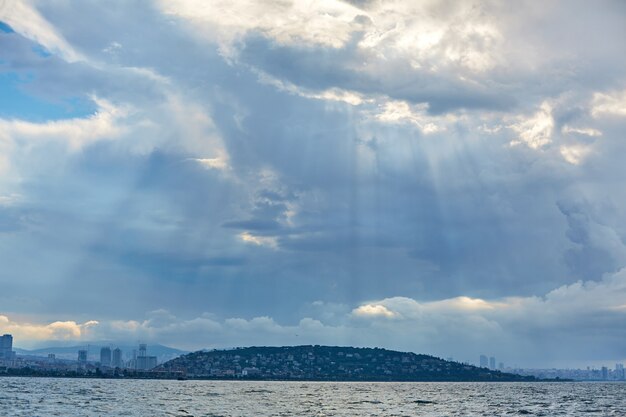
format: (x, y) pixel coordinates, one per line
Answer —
(6, 348)
(492, 363)
(143, 361)
(501, 366)
(117, 358)
(605, 373)
(484, 362)
(105, 356)
(82, 356)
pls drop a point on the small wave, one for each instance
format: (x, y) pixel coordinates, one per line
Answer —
(366, 402)
(258, 391)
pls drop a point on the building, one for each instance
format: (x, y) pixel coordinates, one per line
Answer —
(82, 356)
(144, 362)
(117, 358)
(105, 357)
(492, 363)
(484, 362)
(605, 373)
(6, 348)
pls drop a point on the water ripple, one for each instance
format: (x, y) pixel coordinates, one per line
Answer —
(85, 398)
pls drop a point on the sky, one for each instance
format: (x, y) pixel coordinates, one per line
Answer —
(437, 177)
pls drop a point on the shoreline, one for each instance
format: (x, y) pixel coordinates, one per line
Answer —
(292, 379)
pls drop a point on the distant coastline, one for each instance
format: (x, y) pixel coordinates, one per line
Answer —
(286, 363)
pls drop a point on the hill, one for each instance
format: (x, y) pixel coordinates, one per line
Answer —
(328, 363)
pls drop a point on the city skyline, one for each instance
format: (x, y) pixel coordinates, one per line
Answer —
(432, 177)
(111, 362)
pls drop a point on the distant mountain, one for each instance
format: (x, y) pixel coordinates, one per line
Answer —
(329, 363)
(163, 353)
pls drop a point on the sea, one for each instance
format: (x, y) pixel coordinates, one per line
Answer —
(123, 397)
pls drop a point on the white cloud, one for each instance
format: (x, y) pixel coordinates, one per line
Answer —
(27, 21)
(574, 302)
(268, 241)
(76, 133)
(58, 330)
(403, 112)
(609, 104)
(535, 131)
(333, 94)
(325, 22)
(585, 131)
(212, 163)
(464, 304)
(421, 33)
(373, 310)
(575, 154)
(8, 200)
(455, 326)
(430, 39)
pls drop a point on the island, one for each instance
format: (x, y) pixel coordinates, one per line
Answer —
(326, 363)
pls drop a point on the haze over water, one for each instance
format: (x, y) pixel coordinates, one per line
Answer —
(93, 397)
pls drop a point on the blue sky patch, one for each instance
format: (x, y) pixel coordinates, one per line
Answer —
(17, 103)
(5, 28)
(41, 51)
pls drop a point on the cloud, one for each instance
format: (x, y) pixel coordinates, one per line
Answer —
(257, 157)
(373, 310)
(329, 23)
(391, 49)
(400, 111)
(422, 32)
(574, 154)
(580, 131)
(609, 104)
(9, 200)
(58, 330)
(535, 131)
(26, 20)
(258, 240)
(513, 328)
(76, 133)
(211, 163)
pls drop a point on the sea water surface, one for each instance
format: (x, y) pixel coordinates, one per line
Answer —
(115, 397)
